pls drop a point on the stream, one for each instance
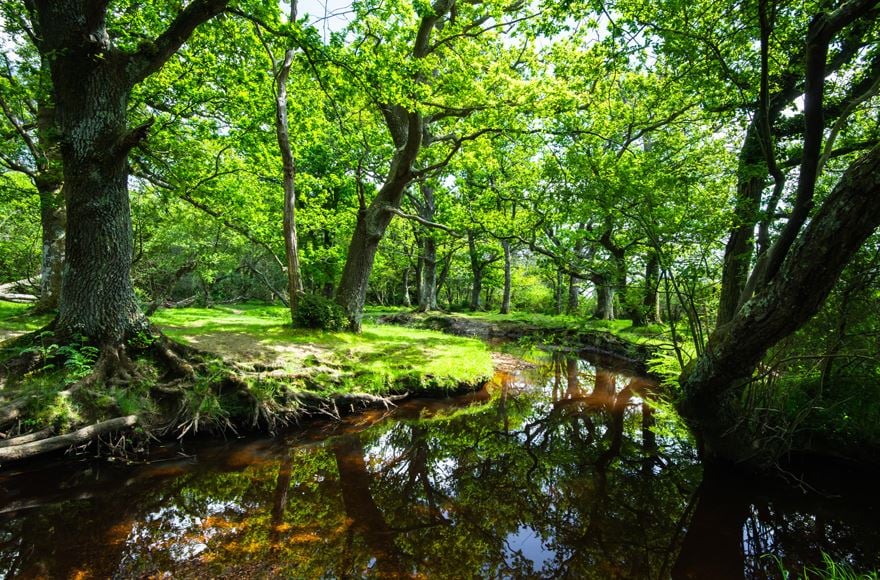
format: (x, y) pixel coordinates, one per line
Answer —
(562, 469)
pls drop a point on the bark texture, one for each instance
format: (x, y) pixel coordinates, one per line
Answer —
(92, 82)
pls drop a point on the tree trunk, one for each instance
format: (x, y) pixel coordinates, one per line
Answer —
(294, 278)
(505, 298)
(428, 287)
(53, 220)
(651, 303)
(91, 83)
(740, 245)
(407, 130)
(714, 384)
(573, 294)
(477, 270)
(407, 301)
(604, 298)
(99, 300)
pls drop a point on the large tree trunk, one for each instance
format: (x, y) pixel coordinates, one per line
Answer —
(604, 298)
(92, 82)
(714, 384)
(407, 130)
(91, 104)
(428, 287)
(505, 298)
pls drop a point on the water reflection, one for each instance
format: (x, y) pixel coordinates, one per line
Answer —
(568, 470)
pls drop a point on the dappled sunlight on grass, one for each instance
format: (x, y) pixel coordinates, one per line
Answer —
(380, 358)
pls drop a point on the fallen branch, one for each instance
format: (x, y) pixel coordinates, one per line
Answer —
(83, 435)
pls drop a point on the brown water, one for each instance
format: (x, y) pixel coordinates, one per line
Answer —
(561, 470)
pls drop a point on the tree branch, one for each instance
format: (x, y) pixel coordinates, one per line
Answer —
(153, 56)
(424, 222)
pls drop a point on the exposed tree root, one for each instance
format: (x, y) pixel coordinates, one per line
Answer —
(191, 391)
(33, 448)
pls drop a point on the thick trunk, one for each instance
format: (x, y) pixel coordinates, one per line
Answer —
(604, 299)
(99, 300)
(505, 298)
(714, 384)
(372, 221)
(91, 85)
(477, 270)
(352, 291)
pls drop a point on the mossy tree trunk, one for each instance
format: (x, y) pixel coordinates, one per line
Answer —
(92, 82)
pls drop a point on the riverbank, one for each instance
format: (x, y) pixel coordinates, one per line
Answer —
(253, 372)
(634, 347)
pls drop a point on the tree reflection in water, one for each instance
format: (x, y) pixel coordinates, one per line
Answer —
(568, 470)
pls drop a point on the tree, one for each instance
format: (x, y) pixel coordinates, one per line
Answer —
(803, 239)
(424, 102)
(28, 117)
(92, 82)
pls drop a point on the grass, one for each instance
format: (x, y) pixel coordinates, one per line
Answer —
(16, 319)
(379, 359)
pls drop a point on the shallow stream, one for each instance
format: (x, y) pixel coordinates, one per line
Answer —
(565, 469)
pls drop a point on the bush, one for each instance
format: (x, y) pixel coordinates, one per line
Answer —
(315, 311)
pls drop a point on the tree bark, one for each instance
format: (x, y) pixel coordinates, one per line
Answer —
(505, 297)
(476, 301)
(53, 217)
(604, 298)
(91, 83)
(752, 175)
(294, 278)
(573, 294)
(53, 220)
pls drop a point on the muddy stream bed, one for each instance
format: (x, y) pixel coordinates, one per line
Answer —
(560, 469)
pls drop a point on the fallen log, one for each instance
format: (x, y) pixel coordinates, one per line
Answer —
(29, 438)
(25, 450)
(23, 298)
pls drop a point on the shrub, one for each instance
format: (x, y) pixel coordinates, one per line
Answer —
(314, 311)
